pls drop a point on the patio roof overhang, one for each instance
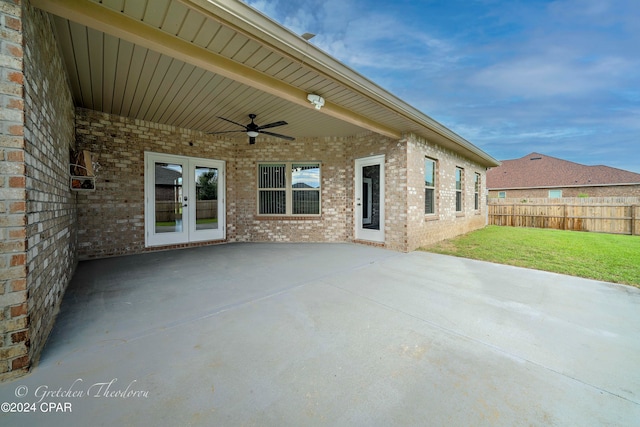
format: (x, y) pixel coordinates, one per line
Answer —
(183, 63)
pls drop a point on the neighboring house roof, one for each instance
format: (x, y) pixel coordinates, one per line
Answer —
(167, 176)
(540, 171)
(194, 60)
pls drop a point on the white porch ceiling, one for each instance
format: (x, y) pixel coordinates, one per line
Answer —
(110, 74)
(186, 62)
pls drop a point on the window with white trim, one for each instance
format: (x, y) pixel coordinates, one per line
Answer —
(429, 186)
(555, 194)
(502, 194)
(459, 186)
(289, 188)
(476, 191)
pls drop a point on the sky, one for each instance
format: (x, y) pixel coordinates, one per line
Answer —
(560, 78)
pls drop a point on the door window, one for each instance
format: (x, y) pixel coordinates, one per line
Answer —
(168, 197)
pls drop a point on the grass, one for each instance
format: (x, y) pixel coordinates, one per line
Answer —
(607, 257)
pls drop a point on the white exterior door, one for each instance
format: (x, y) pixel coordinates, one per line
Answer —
(369, 199)
(184, 199)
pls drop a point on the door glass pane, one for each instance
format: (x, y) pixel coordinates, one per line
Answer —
(366, 201)
(168, 197)
(206, 203)
(371, 202)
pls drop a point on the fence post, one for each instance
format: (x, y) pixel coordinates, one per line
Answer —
(513, 215)
(565, 222)
(634, 218)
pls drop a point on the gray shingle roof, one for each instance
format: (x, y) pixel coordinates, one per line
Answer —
(166, 176)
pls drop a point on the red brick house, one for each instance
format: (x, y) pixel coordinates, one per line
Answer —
(540, 176)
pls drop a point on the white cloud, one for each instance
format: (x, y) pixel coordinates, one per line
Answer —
(265, 6)
(568, 48)
(512, 77)
(360, 36)
(553, 74)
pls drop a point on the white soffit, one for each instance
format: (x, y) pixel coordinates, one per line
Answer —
(179, 63)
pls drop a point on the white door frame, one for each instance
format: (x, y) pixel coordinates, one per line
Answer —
(362, 233)
(188, 232)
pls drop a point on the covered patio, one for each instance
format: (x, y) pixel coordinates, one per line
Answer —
(124, 111)
(332, 334)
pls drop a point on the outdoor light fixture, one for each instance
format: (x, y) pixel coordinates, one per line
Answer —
(316, 100)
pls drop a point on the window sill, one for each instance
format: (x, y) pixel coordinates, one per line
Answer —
(460, 215)
(431, 217)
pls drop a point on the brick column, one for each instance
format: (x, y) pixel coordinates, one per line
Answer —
(14, 320)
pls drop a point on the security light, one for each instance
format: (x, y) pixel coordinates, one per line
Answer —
(316, 100)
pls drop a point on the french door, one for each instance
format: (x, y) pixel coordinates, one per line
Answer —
(369, 198)
(184, 199)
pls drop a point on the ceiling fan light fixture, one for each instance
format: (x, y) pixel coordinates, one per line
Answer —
(253, 130)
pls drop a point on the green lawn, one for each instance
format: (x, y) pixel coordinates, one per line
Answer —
(606, 257)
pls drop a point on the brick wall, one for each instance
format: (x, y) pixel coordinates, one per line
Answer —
(51, 206)
(337, 156)
(331, 226)
(446, 222)
(38, 209)
(14, 339)
(395, 153)
(111, 219)
(118, 145)
(605, 191)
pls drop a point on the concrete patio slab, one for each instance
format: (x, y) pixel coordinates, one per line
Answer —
(332, 334)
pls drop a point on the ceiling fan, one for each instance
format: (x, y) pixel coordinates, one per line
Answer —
(253, 130)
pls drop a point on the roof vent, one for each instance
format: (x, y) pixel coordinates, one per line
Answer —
(535, 158)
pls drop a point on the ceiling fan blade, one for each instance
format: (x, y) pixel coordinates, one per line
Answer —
(231, 121)
(289, 138)
(274, 124)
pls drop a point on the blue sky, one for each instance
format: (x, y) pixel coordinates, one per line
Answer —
(560, 78)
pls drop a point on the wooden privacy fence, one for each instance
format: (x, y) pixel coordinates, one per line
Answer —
(617, 215)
